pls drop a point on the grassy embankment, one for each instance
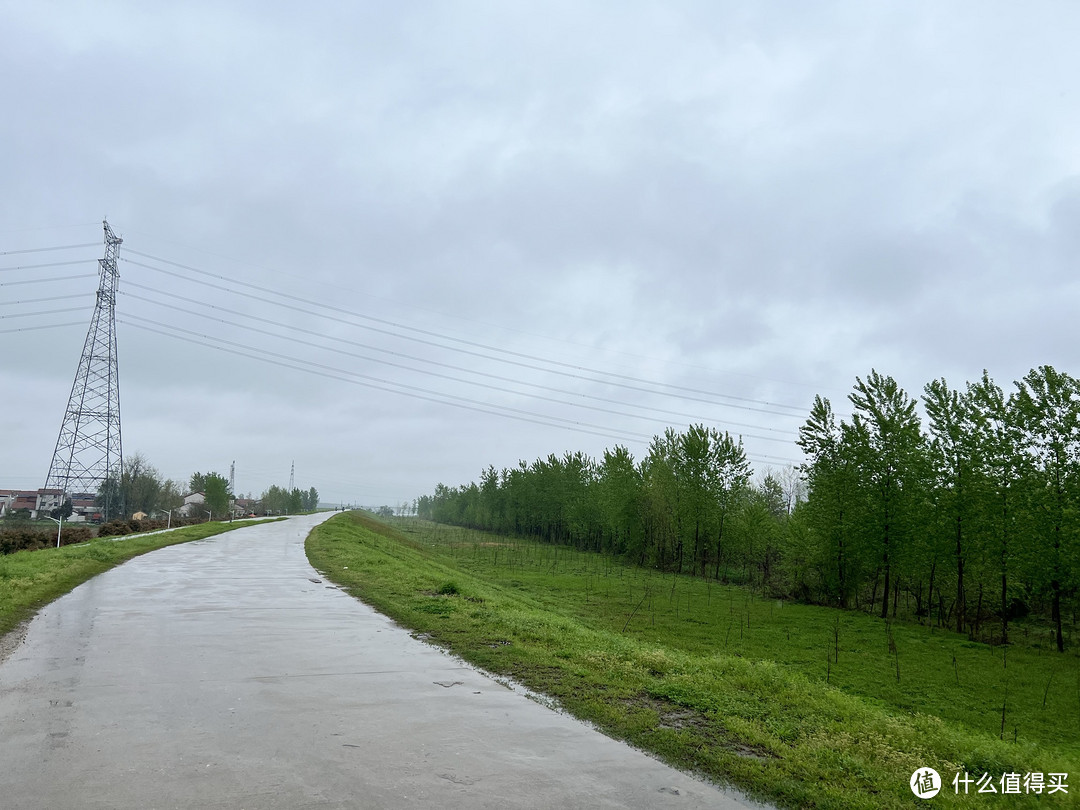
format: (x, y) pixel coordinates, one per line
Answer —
(800, 705)
(29, 580)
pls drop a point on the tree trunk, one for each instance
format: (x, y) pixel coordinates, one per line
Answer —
(888, 574)
(930, 595)
(961, 598)
(719, 539)
(840, 561)
(1055, 615)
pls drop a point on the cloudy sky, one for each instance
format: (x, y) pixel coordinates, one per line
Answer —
(397, 242)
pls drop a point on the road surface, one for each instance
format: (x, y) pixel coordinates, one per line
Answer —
(224, 674)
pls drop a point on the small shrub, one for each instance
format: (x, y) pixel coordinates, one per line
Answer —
(114, 528)
(75, 534)
(448, 589)
(23, 538)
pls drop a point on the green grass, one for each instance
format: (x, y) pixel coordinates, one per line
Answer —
(29, 580)
(796, 704)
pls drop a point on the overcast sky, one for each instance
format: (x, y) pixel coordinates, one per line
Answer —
(500, 230)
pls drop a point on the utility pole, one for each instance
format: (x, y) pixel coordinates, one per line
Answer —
(89, 450)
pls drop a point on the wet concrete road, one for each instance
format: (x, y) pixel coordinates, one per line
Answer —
(217, 674)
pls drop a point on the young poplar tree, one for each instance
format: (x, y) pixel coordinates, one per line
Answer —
(1006, 466)
(890, 454)
(831, 483)
(661, 495)
(956, 462)
(728, 476)
(619, 490)
(692, 468)
(1048, 403)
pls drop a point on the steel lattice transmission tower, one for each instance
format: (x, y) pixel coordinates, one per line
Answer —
(89, 451)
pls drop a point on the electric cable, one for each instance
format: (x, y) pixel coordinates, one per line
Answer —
(376, 382)
(46, 280)
(44, 326)
(624, 386)
(46, 249)
(415, 392)
(44, 312)
(47, 264)
(692, 417)
(41, 300)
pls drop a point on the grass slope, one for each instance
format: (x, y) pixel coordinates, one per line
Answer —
(796, 704)
(29, 580)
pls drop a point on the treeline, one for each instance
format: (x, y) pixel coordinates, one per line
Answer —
(283, 501)
(141, 488)
(968, 521)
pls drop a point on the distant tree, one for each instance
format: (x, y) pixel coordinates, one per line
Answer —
(197, 482)
(63, 511)
(109, 498)
(140, 485)
(296, 501)
(170, 496)
(275, 500)
(216, 491)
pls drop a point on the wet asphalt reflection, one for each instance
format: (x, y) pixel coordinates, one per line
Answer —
(225, 673)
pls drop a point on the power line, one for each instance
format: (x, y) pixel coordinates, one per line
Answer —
(46, 280)
(626, 386)
(173, 307)
(263, 268)
(366, 380)
(46, 249)
(44, 312)
(415, 392)
(47, 264)
(45, 326)
(41, 300)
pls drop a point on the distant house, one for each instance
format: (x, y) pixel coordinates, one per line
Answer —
(84, 508)
(7, 498)
(40, 503)
(193, 504)
(49, 499)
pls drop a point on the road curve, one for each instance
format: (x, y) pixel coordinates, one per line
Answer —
(224, 674)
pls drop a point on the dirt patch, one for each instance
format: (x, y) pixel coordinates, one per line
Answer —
(684, 718)
(10, 641)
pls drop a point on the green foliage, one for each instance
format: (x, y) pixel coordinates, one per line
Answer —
(215, 488)
(140, 488)
(280, 501)
(31, 537)
(673, 510)
(962, 525)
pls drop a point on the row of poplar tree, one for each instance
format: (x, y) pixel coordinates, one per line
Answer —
(970, 521)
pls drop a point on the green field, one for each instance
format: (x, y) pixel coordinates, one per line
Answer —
(29, 580)
(802, 706)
